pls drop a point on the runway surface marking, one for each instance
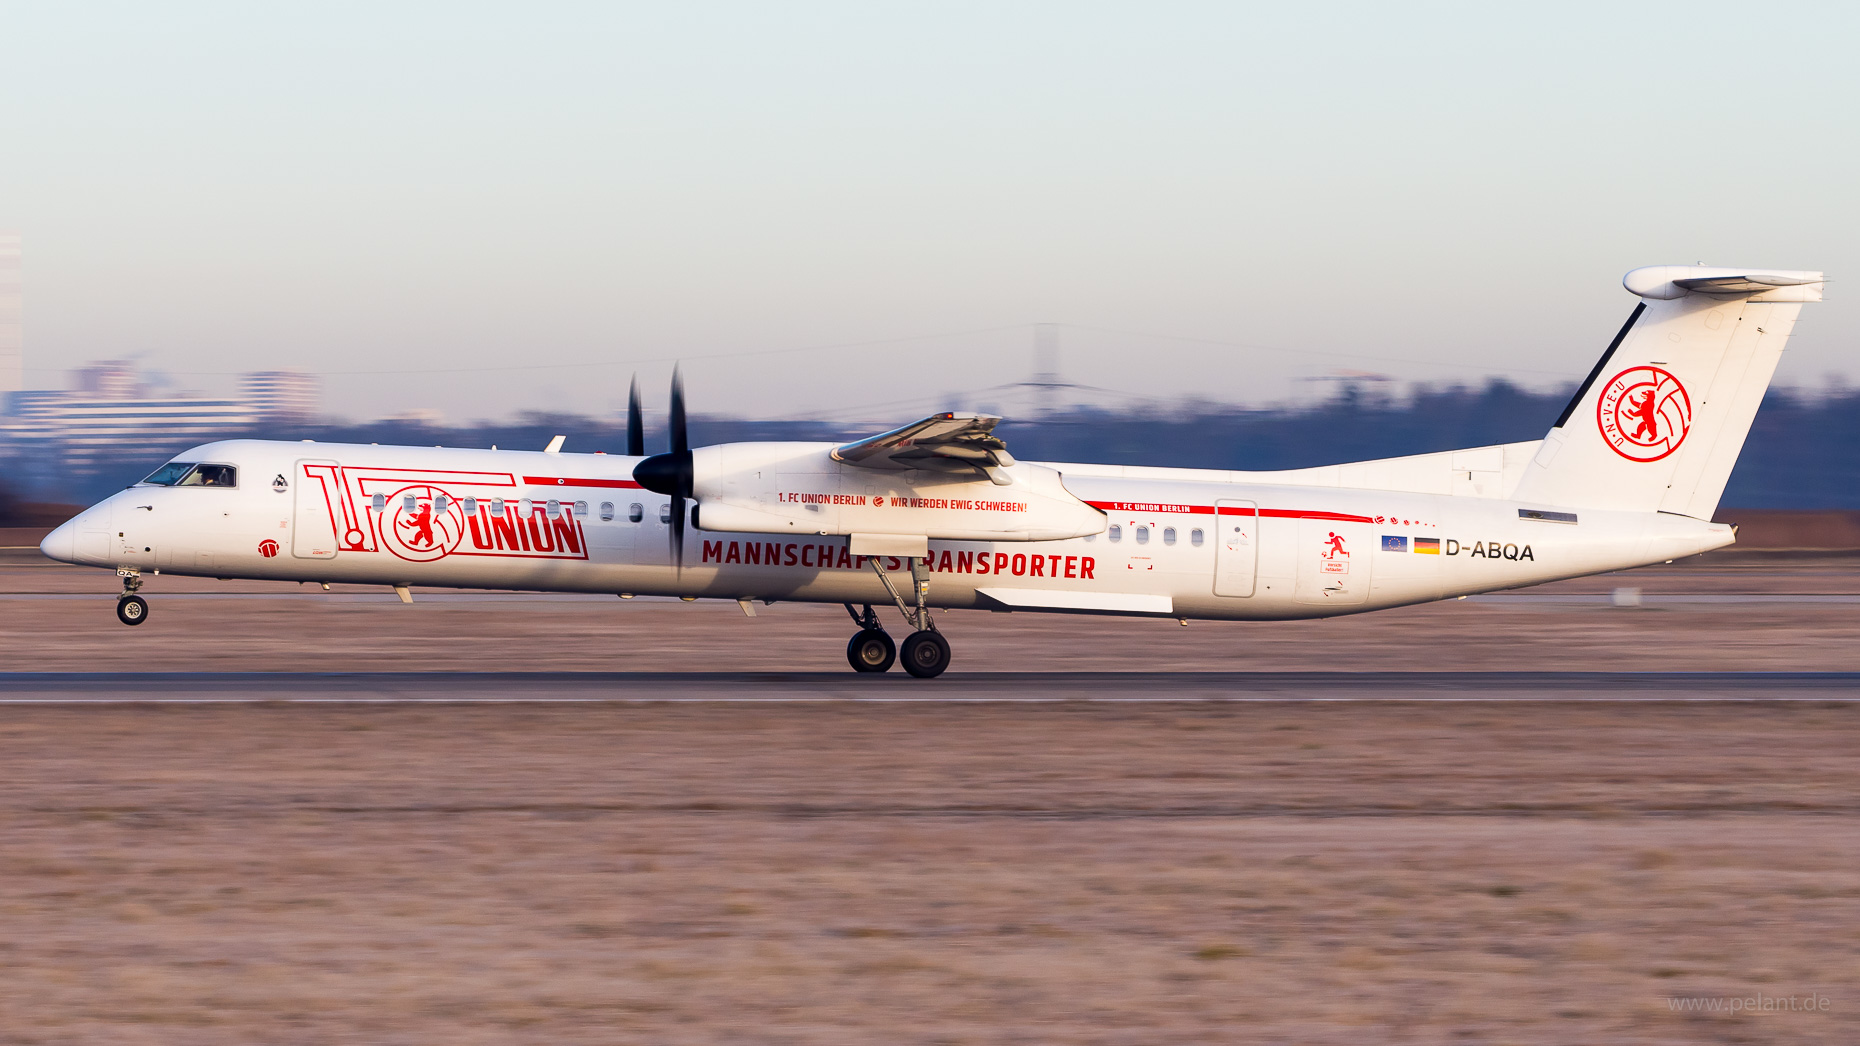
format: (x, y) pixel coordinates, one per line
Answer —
(955, 688)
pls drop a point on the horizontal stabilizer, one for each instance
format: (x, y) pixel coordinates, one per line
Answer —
(1666, 282)
(1750, 283)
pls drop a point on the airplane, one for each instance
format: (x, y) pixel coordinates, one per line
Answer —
(938, 515)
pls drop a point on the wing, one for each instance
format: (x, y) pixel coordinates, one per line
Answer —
(948, 442)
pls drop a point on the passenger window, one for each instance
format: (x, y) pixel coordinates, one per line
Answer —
(635, 513)
(1194, 537)
(581, 508)
(380, 502)
(523, 507)
(409, 504)
(1143, 535)
(1116, 533)
(497, 507)
(170, 474)
(441, 503)
(665, 512)
(212, 476)
(553, 509)
(1091, 537)
(607, 511)
(470, 505)
(1168, 535)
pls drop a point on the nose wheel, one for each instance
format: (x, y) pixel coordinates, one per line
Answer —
(131, 609)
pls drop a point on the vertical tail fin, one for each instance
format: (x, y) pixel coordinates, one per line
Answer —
(1660, 420)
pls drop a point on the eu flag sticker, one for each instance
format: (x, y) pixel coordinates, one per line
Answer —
(1394, 543)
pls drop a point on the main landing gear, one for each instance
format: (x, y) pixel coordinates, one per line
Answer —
(926, 652)
(131, 609)
(870, 649)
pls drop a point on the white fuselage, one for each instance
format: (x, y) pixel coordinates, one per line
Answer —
(1177, 542)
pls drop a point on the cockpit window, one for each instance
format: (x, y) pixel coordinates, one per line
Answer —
(170, 474)
(211, 476)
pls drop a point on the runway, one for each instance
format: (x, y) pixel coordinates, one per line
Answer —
(896, 687)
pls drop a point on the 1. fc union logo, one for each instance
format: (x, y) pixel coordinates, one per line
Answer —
(413, 531)
(1644, 413)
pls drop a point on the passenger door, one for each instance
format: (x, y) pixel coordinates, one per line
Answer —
(319, 511)
(1236, 547)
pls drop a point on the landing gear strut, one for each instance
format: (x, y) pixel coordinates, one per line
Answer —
(131, 609)
(926, 652)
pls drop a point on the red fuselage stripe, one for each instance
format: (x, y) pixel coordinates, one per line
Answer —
(569, 481)
(1146, 508)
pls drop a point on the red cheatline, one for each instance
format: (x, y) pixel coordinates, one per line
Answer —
(569, 481)
(1232, 510)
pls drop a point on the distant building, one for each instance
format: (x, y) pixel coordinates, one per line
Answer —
(108, 416)
(282, 395)
(87, 433)
(108, 379)
(12, 331)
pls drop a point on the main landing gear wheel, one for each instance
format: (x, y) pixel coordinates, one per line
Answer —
(926, 654)
(132, 610)
(871, 650)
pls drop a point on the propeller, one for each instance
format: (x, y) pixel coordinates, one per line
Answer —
(670, 473)
(635, 427)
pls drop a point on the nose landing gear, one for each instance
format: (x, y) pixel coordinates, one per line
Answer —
(131, 609)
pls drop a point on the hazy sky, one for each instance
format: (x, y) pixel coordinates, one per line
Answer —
(1219, 199)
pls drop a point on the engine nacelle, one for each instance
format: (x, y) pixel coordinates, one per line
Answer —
(798, 488)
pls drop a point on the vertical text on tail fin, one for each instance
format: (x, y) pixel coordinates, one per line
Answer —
(1659, 422)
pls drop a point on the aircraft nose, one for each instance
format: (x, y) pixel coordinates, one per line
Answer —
(61, 543)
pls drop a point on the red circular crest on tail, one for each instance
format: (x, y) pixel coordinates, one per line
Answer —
(1644, 413)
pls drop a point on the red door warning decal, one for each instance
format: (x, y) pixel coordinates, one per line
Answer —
(1644, 413)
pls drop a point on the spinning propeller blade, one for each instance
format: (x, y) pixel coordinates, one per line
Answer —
(670, 473)
(635, 426)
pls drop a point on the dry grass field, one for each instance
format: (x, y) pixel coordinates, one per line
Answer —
(986, 873)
